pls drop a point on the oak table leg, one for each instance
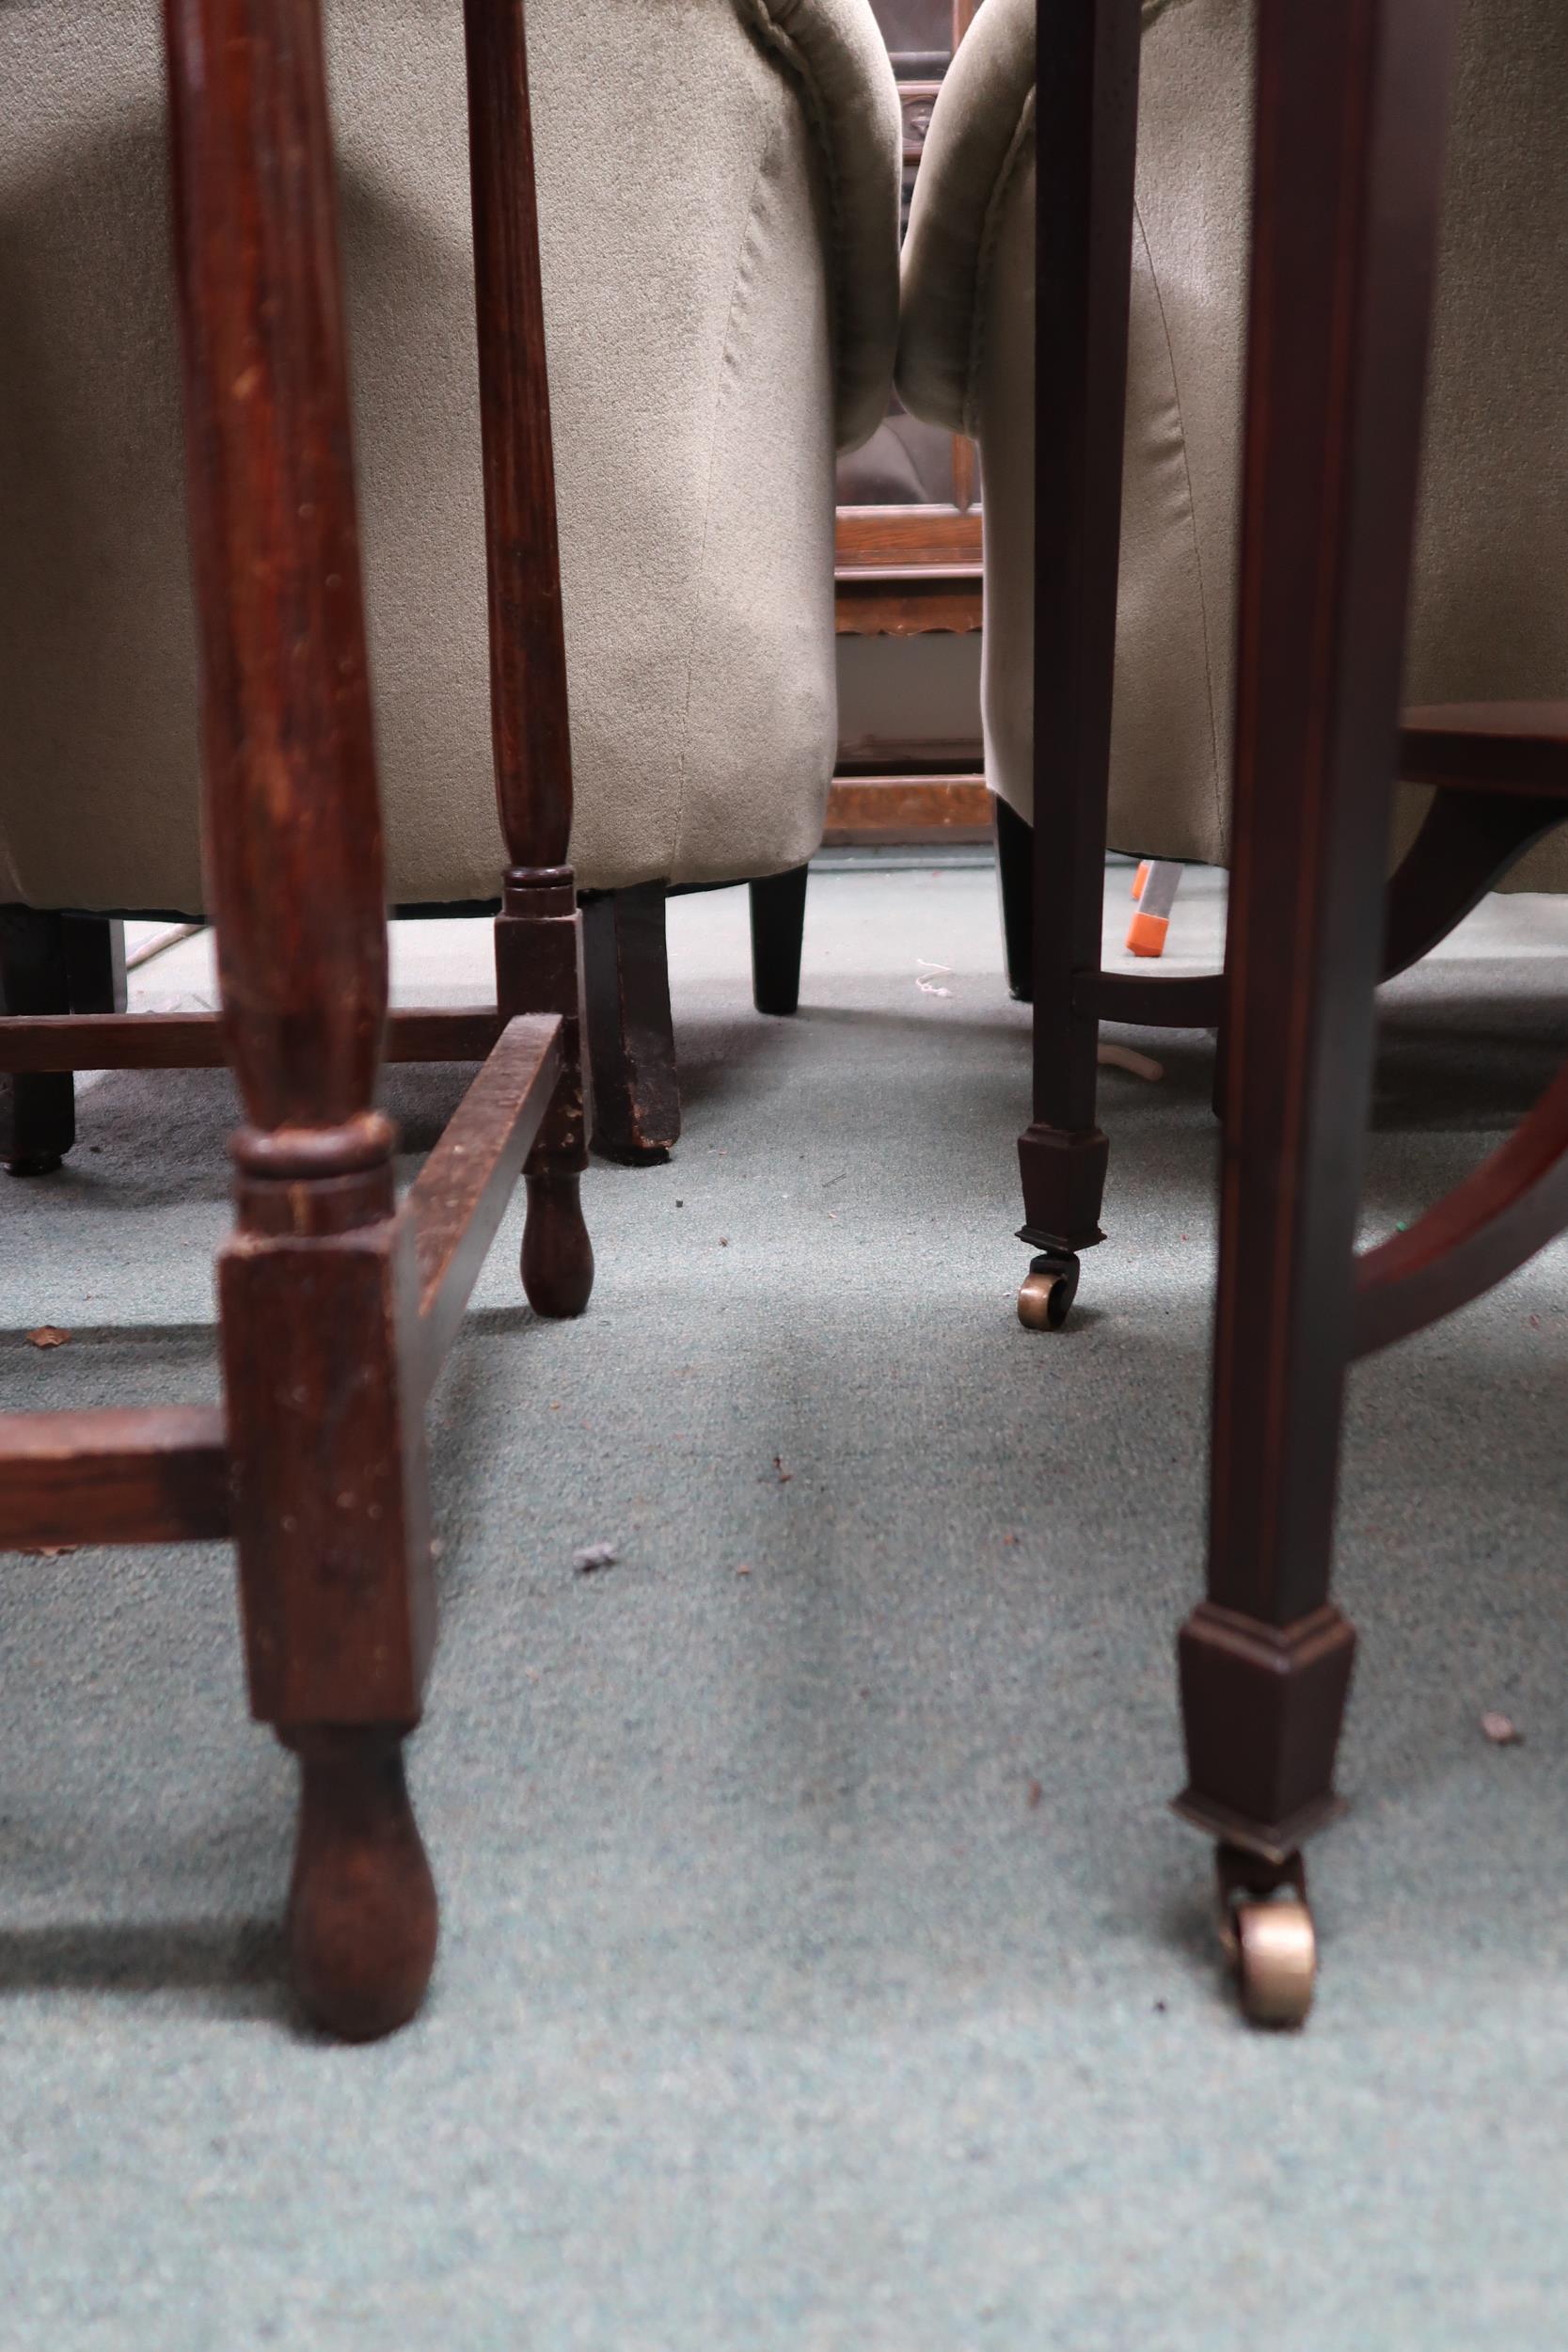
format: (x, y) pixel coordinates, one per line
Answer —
(317, 1287)
(538, 931)
(1352, 98)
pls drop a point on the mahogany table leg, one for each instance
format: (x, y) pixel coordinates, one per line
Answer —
(538, 931)
(1351, 122)
(317, 1289)
(38, 1108)
(1087, 139)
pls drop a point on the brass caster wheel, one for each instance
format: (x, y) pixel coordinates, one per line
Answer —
(1269, 1939)
(1049, 1290)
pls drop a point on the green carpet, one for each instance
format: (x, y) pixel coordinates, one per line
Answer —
(821, 1967)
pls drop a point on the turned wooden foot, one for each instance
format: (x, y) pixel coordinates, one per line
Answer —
(362, 1910)
(558, 1256)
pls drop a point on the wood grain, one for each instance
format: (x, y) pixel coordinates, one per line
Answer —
(904, 537)
(195, 1041)
(158, 1475)
(891, 809)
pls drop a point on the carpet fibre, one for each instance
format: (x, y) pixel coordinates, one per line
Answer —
(821, 1965)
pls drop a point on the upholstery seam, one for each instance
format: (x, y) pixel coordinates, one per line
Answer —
(1020, 143)
(747, 224)
(1192, 519)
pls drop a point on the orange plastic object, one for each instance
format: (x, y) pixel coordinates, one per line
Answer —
(1139, 878)
(1146, 936)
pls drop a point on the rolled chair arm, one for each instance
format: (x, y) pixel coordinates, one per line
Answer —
(836, 52)
(982, 129)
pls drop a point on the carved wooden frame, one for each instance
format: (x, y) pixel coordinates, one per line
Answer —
(336, 1305)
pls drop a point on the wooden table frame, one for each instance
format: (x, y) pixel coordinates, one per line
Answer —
(1353, 104)
(1352, 101)
(1087, 103)
(336, 1307)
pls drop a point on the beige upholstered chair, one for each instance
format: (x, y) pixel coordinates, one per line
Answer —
(1491, 615)
(719, 201)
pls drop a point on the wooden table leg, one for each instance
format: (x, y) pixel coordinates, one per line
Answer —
(1087, 101)
(538, 931)
(1351, 115)
(317, 1288)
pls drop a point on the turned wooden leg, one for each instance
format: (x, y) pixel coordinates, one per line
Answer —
(631, 1039)
(1088, 101)
(318, 1288)
(362, 1914)
(1347, 195)
(38, 1109)
(539, 969)
(538, 932)
(778, 933)
(1015, 880)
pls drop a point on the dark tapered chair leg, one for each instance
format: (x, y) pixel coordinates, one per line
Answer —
(1353, 103)
(631, 1041)
(778, 927)
(1015, 881)
(95, 962)
(38, 1109)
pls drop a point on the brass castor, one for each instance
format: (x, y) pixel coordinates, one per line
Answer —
(1267, 1933)
(1049, 1290)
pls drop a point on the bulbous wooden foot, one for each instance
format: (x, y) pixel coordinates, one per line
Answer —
(362, 1910)
(558, 1256)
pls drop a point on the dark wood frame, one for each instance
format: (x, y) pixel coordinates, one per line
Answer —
(336, 1306)
(1353, 113)
(1088, 104)
(1351, 131)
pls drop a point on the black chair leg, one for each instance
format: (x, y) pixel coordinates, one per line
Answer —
(38, 1109)
(1014, 877)
(778, 925)
(631, 1041)
(95, 962)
